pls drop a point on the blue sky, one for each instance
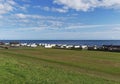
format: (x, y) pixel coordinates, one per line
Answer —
(60, 19)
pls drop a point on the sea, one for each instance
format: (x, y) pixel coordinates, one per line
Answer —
(69, 42)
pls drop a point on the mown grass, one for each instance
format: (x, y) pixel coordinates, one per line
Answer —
(56, 66)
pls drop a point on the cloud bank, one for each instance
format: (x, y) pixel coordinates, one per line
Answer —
(6, 6)
(87, 5)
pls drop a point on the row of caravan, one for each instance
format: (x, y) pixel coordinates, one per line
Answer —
(62, 46)
(84, 47)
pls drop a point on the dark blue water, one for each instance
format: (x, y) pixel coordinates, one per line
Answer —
(73, 42)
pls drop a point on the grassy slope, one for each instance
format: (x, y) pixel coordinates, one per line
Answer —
(55, 66)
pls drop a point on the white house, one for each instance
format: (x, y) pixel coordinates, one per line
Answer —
(48, 46)
(33, 45)
(7, 43)
(77, 46)
(84, 47)
(53, 45)
(95, 47)
(23, 44)
(40, 44)
(63, 46)
(14, 44)
(28, 45)
(69, 46)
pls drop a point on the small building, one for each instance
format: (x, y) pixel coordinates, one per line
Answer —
(48, 46)
(77, 46)
(69, 47)
(33, 45)
(2, 43)
(23, 44)
(7, 44)
(84, 47)
(106, 47)
(58, 46)
(95, 47)
(28, 45)
(115, 48)
(53, 45)
(63, 46)
(40, 44)
(14, 44)
(91, 48)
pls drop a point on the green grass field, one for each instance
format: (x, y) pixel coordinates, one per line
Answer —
(57, 66)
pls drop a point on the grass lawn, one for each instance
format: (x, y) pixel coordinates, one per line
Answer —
(57, 66)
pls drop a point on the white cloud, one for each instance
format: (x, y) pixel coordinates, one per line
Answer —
(60, 24)
(53, 9)
(86, 5)
(39, 22)
(24, 7)
(20, 15)
(82, 26)
(61, 10)
(6, 6)
(23, 16)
